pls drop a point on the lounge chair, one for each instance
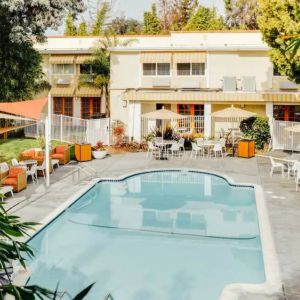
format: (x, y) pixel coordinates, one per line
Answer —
(196, 150)
(62, 153)
(16, 177)
(217, 150)
(175, 149)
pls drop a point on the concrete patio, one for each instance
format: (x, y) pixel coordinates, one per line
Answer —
(283, 202)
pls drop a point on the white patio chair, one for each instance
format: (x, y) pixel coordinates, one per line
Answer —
(181, 144)
(14, 162)
(152, 149)
(33, 173)
(276, 166)
(217, 150)
(4, 167)
(196, 150)
(42, 168)
(297, 178)
(175, 150)
(223, 143)
(200, 142)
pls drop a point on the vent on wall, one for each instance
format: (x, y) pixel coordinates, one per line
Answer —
(161, 82)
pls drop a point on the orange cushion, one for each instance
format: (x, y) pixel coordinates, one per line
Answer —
(29, 153)
(10, 181)
(57, 156)
(60, 149)
(14, 171)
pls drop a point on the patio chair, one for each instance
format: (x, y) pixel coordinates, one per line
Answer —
(14, 162)
(42, 169)
(200, 142)
(223, 143)
(181, 144)
(61, 152)
(175, 149)
(276, 166)
(16, 177)
(152, 149)
(4, 169)
(297, 176)
(196, 150)
(217, 150)
(32, 173)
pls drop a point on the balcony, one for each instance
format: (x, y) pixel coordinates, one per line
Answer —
(281, 83)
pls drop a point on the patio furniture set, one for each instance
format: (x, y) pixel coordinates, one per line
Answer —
(32, 164)
(291, 165)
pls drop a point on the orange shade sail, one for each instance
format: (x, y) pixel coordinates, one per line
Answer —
(31, 109)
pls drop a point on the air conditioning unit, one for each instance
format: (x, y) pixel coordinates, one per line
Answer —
(161, 82)
(190, 84)
(63, 81)
(288, 85)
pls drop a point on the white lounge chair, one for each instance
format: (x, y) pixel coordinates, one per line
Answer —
(152, 149)
(181, 144)
(175, 149)
(276, 166)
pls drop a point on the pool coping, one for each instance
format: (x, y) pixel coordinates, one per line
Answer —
(233, 291)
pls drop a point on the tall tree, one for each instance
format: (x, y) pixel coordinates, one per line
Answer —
(70, 28)
(242, 14)
(205, 19)
(185, 12)
(166, 14)
(121, 25)
(20, 23)
(82, 29)
(280, 18)
(98, 27)
(151, 22)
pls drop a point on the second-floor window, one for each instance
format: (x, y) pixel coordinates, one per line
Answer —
(63, 69)
(156, 69)
(190, 69)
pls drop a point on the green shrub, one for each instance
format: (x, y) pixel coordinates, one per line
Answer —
(257, 129)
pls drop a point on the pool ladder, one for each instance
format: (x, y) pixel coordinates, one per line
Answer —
(90, 172)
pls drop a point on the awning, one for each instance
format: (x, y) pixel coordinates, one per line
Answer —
(189, 57)
(156, 57)
(81, 59)
(86, 91)
(282, 97)
(62, 59)
(31, 109)
(63, 91)
(190, 96)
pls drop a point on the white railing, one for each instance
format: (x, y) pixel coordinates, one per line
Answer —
(73, 130)
(186, 125)
(283, 139)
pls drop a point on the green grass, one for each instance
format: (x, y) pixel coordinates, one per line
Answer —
(11, 148)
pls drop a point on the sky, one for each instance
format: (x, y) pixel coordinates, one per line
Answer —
(135, 9)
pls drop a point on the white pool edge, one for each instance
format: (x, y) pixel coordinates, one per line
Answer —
(233, 291)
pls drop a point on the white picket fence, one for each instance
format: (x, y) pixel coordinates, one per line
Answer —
(283, 139)
(73, 130)
(187, 124)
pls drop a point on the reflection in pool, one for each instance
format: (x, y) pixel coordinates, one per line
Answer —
(158, 235)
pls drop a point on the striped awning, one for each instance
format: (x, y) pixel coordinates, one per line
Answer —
(190, 96)
(86, 91)
(282, 97)
(63, 91)
(156, 57)
(62, 59)
(189, 57)
(81, 59)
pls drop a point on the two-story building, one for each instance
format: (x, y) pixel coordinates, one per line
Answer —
(192, 73)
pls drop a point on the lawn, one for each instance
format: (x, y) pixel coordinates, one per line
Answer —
(11, 148)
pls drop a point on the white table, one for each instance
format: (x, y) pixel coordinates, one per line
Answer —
(28, 163)
(162, 145)
(6, 189)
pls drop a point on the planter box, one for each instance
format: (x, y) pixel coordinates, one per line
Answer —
(99, 154)
(246, 149)
(83, 152)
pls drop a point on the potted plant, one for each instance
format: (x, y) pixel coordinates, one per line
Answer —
(99, 151)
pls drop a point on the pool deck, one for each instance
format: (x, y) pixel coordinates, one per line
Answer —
(283, 202)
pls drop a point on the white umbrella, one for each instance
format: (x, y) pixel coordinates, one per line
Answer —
(233, 112)
(162, 114)
(293, 129)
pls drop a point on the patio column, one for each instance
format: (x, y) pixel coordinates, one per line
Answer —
(134, 121)
(207, 120)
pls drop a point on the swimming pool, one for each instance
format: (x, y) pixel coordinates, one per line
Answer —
(156, 235)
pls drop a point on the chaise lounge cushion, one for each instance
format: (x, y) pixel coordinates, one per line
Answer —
(10, 181)
(57, 156)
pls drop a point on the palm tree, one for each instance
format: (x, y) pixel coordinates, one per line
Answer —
(100, 62)
(294, 46)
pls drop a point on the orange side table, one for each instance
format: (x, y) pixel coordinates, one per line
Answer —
(246, 148)
(83, 152)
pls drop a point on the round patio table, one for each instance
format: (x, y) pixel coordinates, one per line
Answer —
(163, 146)
(28, 163)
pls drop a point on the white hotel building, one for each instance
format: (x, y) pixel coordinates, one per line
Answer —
(192, 73)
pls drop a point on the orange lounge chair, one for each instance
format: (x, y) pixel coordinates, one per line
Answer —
(16, 178)
(61, 152)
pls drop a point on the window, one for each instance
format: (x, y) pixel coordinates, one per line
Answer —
(287, 113)
(90, 107)
(63, 106)
(63, 69)
(149, 69)
(159, 69)
(184, 109)
(86, 69)
(187, 69)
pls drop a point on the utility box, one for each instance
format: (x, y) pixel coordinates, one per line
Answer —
(246, 148)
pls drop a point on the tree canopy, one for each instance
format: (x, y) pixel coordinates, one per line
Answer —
(279, 19)
(152, 23)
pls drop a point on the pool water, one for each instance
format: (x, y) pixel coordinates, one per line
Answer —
(159, 235)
